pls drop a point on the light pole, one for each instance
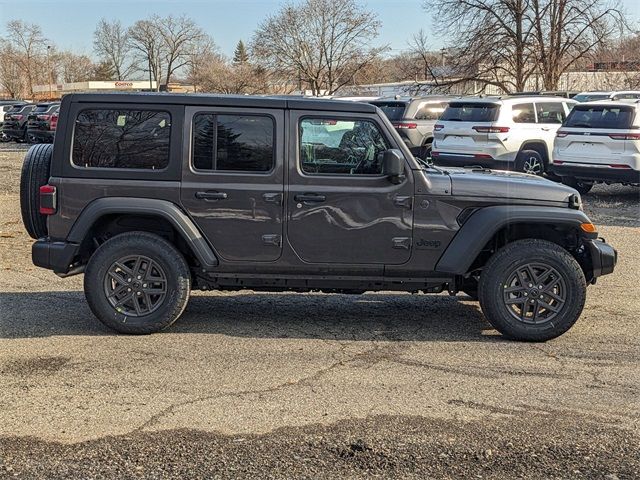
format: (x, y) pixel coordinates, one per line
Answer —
(49, 71)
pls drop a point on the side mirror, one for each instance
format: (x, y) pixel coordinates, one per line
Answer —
(393, 165)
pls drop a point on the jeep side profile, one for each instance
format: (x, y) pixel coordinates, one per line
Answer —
(151, 195)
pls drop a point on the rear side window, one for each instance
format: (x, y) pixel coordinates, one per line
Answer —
(590, 97)
(430, 111)
(341, 147)
(550, 112)
(471, 112)
(523, 113)
(393, 110)
(600, 116)
(628, 95)
(241, 143)
(122, 138)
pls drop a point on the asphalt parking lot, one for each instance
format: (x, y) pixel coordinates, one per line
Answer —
(316, 386)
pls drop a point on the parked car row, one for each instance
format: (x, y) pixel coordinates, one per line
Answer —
(579, 139)
(29, 122)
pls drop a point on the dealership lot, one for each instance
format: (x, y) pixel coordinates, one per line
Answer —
(346, 386)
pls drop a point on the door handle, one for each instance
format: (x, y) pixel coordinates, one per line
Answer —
(211, 195)
(309, 197)
(270, 197)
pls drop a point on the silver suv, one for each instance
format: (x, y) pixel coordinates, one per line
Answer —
(414, 119)
(506, 133)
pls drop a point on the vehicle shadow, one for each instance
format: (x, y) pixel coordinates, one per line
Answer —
(368, 317)
(613, 205)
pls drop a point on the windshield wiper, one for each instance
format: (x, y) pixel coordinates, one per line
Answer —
(429, 164)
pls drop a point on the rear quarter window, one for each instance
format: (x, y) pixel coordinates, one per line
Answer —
(471, 112)
(119, 138)
(600, 116)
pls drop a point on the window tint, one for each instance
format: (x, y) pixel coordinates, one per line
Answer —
(622, 96)
(599, 116)
(393, 110)
(430, 111)
(590, 97)
(550, 112)
(122, 139)
(346, 147)
(523, 113)
(242, 143)
(471, 112)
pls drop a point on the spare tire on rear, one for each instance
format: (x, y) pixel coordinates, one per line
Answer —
(36, 170)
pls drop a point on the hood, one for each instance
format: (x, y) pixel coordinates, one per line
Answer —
(502, 184)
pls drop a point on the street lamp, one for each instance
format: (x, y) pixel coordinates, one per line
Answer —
(49, 71)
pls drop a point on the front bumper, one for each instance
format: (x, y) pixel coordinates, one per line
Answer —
(600, 173)
(56, 256)
(603, 258)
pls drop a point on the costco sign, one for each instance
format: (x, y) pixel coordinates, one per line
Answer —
(124, 84)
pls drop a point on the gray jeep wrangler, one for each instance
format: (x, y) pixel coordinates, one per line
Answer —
(151, 195)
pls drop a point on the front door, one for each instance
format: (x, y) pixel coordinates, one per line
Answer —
(232, 180)
(341, 209)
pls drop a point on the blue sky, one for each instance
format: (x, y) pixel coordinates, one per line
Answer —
(70, 24)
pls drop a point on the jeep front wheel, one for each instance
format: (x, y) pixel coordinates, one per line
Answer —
(532, 290)
(137, 282)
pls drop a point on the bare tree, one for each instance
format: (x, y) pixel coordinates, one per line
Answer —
(568, 30)
(11, 78)
(30, 46)
(493, 40)
(166, 44)
(322, 43)
(111, 44)
(71, 67)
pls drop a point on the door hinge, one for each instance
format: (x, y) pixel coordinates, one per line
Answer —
(272, 239)
(401, 242)
(403, 201)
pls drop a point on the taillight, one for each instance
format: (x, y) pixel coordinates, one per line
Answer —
(43, 117)
(481, 156)
(434, 154)
(491, 129)
(18, 117)
(437, 128)
(54, 121)
(558, 162)
(625, 136)
(48, 200)
(619, 165)
(561, 133)
(406, 125)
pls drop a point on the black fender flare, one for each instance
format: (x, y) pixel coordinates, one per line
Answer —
(145, 206)
(483, 224)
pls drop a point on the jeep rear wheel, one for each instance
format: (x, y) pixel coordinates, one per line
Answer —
(532, 290)
(35, 173)
(137, 282)
(531, 162)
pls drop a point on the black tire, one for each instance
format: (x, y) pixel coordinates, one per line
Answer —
(580, 185)
(530, 161)
(35, 173)
(563, 272)
(166, 259)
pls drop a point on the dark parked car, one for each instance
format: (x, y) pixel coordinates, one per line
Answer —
(5, 106)
(151, 195)
(414, 119)
(42, 123)
(15, 122)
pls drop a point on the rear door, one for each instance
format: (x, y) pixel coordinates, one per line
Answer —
(550, 116)
(232, 180)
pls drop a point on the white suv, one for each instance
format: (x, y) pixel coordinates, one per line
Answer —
(599, 142)
(597, 96)
(508, 133)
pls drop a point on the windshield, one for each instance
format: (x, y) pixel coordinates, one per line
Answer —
(393, 110)
(590, 97)
(471, 112)
(600, 116)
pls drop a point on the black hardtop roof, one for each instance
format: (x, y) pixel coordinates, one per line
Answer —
(208, 100)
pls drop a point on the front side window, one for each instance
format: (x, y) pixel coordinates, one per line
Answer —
(550, 112)
(524, 113)
(430, 111)
(343, 147)
(241, 143)
(122, 138)
(600, 116)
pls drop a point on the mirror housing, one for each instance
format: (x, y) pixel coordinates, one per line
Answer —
(393, 165)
